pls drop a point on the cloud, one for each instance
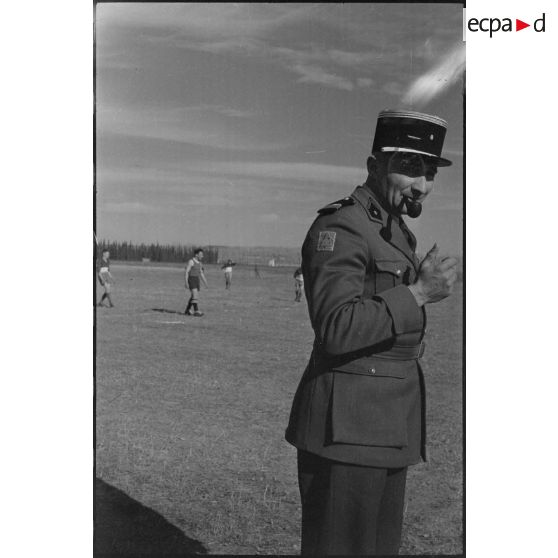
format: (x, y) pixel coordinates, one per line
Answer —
(364, 82)
(166, 193)
(171, 179)
(315, 65)
(252, 31)
(232, 181)
(315, 74)
(384, 26)
(448, 71)
(293, 173)
(219, 24)
(317, 54)
(133, 207)
(352, 59)
(186, 125)
(241, 30)
(225, 111)
(325, 66)
(208, 199)
(393, 88)
(268, 218)
(244, 46)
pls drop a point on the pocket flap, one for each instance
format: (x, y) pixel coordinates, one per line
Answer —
(375, 367)
(394, 267)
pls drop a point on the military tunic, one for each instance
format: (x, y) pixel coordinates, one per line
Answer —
(361, 398)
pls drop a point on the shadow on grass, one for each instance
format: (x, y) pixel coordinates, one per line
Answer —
(124, 527)
(165, 311)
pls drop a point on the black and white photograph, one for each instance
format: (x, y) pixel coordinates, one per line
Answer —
(279, 279)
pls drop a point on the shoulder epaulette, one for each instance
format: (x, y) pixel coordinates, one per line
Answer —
(332, 207)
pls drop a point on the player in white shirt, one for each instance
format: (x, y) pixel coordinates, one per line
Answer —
(228, 269)
(105, 278)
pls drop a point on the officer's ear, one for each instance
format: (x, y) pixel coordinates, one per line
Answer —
(372, 164)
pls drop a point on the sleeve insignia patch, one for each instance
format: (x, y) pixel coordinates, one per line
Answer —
(326, 241)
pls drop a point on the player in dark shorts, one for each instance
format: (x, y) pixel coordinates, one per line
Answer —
(192, 276)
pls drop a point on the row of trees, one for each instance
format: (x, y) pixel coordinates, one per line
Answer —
(128, 251)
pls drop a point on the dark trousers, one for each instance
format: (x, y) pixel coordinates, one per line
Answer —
(349, 509)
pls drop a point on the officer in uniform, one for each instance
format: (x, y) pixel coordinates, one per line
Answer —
(358, 415)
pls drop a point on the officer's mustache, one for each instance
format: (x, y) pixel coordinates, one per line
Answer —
(414, 208)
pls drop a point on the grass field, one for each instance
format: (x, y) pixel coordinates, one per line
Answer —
(191, 412)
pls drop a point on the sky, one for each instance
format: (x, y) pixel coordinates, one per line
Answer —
(232, 124)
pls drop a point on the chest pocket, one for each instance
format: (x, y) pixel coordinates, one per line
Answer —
(390, 273)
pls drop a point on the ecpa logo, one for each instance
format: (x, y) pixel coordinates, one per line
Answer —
(495, 24)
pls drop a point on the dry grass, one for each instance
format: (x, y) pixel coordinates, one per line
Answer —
(191, 414)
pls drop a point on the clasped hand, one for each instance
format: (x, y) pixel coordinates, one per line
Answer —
(436, 278)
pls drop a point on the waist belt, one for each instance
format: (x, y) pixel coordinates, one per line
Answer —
(402, 352)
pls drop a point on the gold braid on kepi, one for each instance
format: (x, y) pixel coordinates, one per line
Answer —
(411, 132)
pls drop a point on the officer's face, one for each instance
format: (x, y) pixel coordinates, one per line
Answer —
(406, 176)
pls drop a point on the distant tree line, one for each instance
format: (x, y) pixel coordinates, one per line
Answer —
(127, 251)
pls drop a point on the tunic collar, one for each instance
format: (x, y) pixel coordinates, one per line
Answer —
(394, 230)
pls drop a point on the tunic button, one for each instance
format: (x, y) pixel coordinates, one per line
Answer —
(372, 370)
(398, 272)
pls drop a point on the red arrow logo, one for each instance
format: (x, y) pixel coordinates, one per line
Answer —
(519, 25)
